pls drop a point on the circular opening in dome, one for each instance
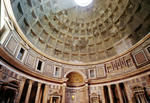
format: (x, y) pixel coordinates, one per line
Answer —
(83, 2)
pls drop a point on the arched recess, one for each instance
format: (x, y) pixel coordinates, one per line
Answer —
(76, 90)
(75, 79)
(80, 72)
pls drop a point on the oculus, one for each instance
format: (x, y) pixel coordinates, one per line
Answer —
(83, 3)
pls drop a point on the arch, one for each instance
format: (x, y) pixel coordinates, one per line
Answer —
(81, 73)
(75, 79)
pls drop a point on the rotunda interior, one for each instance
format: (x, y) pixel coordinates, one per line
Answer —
(74, 51)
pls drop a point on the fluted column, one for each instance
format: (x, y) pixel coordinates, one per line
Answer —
(103, 95)
(119, 93)
(64, 92)
(45, 95)
(110, 94)
(29, 91)
(38, 93)
(21, 90)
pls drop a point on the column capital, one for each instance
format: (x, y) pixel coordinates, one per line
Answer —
(108, 86)
(86, 81)
(64, 84)
(23, 79)
(64, 80)
(117, 84)
(46, 85)
(86, 85)
(31, 81)
(39, 84)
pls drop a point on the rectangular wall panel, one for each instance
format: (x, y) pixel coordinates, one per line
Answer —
(11, 45)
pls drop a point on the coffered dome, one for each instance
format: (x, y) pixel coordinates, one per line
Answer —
(66, 31)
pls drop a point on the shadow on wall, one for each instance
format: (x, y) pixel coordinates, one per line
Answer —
(136, 20)
(8, 92)
(140, 95)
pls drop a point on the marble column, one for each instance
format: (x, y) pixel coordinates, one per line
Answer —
(59, 100)
(110, 94)
(143, 98)
(64, 92)
(148, 80)
(45, 95)
(119, 94)
(87, 93)
(38, 93)
(103, 95)
(28, 91)
(138, 98)
(21, 90)
(127, 91)
(40, 96)
(51, 98)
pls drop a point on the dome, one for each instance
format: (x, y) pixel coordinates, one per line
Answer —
(66, 31)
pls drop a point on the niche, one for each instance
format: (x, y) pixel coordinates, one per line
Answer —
(74, 79)
(92, 73)
(8, 92)
(95, 98)
(21, 53)
(55, 99)
(57, 72)
(140, 95)
(40, 65)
